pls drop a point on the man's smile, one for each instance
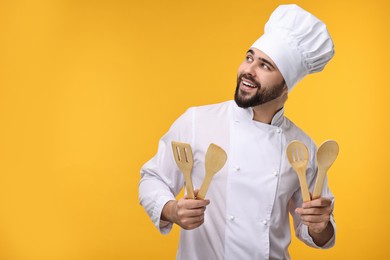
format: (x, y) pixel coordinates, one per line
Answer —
(248, 84)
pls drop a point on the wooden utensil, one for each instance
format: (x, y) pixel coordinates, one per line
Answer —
(326, 155)
(215, 159)
(184, 159)
(298, 156)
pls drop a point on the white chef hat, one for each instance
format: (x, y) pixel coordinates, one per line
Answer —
(297, 42)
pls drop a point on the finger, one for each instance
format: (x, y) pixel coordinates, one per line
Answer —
(186, 196)
(192, 223)
(196, 191)
(315, 218)
(315, 211)
(320, 202)
(188, 213)
(298, 211)
(194, 204)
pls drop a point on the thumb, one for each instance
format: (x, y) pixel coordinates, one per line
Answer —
(195, 194)
(196, 191)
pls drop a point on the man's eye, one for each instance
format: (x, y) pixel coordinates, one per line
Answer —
(265, 66)
(249, 58)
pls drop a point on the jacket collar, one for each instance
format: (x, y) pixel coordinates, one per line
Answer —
(246, 114)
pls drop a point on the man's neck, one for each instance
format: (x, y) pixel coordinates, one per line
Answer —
(263, 115)
(265, 112)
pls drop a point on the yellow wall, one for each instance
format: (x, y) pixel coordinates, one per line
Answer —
(88, 87)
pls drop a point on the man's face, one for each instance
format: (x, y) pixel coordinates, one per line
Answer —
(259, 80)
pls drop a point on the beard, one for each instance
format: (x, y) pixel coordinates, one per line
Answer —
(263, 95)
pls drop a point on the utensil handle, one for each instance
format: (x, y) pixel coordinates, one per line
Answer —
(189, 188)
(319, 183)
(304, 188)
(203, 189)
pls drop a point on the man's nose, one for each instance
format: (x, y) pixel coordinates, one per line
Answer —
(250, 69)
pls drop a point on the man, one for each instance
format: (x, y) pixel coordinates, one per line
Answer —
(245, 213)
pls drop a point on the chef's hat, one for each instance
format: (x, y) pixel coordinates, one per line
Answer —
(297, 42)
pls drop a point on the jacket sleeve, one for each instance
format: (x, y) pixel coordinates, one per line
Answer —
(161, 179)
(301, 230)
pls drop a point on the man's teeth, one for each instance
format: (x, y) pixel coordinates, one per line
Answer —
(248, 84)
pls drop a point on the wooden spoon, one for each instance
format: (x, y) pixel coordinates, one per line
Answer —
(215, 159)
(326, 155)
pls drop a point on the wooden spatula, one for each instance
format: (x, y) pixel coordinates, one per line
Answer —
(326, 155)
(184, 159)
(298, 156)
(215, 159)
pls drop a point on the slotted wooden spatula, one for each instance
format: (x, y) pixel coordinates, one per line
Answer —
(215, 159)
(184, 159)
(298, 156)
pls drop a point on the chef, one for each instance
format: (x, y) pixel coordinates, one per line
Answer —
(245, 214)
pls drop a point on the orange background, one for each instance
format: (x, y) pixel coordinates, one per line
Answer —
(88, 87)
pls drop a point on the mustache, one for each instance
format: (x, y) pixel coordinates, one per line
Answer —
(250, 78)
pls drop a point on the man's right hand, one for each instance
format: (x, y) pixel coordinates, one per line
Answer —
(187, 213)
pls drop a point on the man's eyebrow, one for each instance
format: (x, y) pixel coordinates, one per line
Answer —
(262, 59)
